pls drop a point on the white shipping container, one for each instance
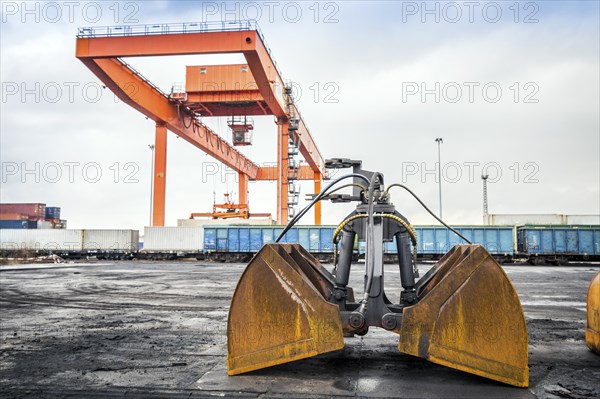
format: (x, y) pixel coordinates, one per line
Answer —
(188, 239)
(582, 219)
(45, 239)
(44, 224)
(111, 240)
(522, 219)
(539, 219)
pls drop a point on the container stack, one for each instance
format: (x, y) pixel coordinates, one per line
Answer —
(53, 216)
(30, 216)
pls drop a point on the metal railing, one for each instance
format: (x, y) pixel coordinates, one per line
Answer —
(165, 29)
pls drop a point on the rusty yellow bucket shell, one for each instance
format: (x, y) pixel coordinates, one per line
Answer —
(278, 313)
(469, 318)
(592, 332)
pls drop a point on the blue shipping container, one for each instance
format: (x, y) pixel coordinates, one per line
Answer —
(52, 212)
(18, 224)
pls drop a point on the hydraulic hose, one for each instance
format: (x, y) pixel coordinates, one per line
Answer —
(363, 188)
(427, 209)
(317, 198)
(377, 177)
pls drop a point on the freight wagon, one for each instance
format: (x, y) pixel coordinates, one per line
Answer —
(239, 243)
(558, 244)
(435, 241)
(535, 244)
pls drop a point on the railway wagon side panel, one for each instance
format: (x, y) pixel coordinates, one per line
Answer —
(210, 239)
(437, 240)
(586, 242)
(245, 239)
(256, 239)
(233, 240)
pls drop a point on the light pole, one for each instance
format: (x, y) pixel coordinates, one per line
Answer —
(485, 199)
(439, 141)
(151, 146)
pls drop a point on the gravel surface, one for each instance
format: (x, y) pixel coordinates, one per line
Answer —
(158, 329)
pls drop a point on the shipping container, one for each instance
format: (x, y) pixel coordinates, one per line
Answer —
(41, 240)
(34, 211)
(44, 224)
(582, 220)
(13, 216)
(173, 239)
(571, 242)
(207, 78)
(18, 224)
(110, 240)
(52, 212)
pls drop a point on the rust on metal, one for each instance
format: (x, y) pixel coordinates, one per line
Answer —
(592, 332)
(468, 317)
(278, 313)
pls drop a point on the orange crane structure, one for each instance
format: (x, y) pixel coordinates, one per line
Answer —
(234, 91)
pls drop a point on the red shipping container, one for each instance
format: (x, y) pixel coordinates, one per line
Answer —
(34, 211)
(13, 216)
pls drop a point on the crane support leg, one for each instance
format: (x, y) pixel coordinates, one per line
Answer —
(160, 175)
(243, 189)
(318, 204)
(282, 176)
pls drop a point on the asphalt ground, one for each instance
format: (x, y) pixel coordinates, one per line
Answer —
(158, 329)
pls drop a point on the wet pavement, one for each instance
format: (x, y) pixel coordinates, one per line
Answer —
(158, 329)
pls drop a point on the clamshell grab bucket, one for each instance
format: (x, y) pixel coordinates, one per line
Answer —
(279, 313)
(592, 332)
(468, 317)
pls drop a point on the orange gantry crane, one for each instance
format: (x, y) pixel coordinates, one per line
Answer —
(236, 91)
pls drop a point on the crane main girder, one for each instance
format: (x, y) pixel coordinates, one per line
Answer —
(248, 42)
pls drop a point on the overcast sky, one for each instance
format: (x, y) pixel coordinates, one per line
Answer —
(512, 88)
